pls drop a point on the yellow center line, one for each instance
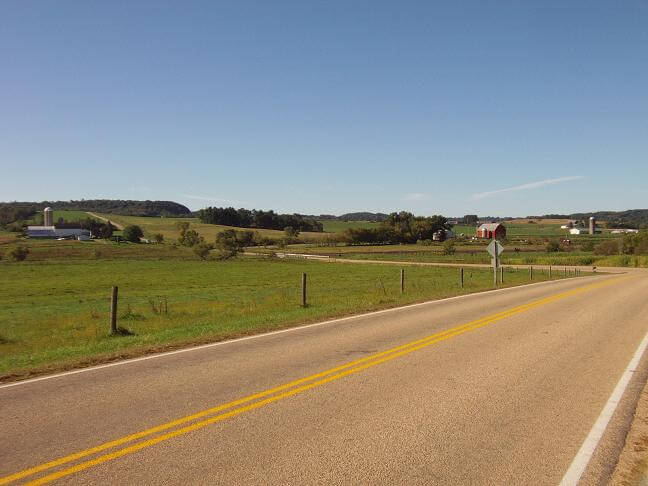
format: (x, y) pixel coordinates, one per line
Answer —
(351, 367)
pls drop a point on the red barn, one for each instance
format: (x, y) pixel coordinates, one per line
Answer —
(491, 230)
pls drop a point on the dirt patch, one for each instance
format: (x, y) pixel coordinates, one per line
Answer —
(632, 468)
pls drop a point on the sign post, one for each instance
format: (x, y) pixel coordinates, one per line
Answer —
(495, 249)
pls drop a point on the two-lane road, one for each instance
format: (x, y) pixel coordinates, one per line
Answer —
(494, 388)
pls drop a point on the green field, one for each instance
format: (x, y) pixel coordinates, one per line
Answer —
(521, 230)
(70, 216)
(470, 253)
(336, 226)
(167, 227)
(55, 315)
(521, 258)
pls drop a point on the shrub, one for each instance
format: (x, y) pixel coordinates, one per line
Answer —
(247, 238)
(636, 244)
(291, 232)
(19, 253)
(449, 247)
(15, 228)
(133, 233)
(202, 250)
(228, 243)
(158, 237)
(553, 246)
(190, 238)
(610, 247)
(588, 246)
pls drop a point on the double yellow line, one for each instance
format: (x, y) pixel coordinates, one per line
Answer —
(266, 397)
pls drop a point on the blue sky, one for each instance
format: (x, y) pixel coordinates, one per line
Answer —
(487, 107)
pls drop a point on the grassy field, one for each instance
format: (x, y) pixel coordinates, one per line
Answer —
(470, 253)
(335, 226)
(167, 226)
(515, 229)
(521, 258)
(70, 215)
(53, 250)
(520, 229)
(55, 314)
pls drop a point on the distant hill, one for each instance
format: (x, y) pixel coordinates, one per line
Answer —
(110, 206)
(363, 216)
(360, 216)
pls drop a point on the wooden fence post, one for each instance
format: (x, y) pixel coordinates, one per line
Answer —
(462, 277)
(549, 271)
(530, 273)
(113, 311)
(402, 280)
(303, 297)
(502, 275)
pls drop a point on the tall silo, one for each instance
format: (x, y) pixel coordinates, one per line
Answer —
(592, 225)
(48, 219)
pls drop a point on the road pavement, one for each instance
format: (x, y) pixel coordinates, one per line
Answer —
(500, 387)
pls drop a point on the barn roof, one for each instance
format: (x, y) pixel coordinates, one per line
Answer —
(490, 226)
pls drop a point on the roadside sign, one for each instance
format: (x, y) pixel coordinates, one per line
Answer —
(495, 248)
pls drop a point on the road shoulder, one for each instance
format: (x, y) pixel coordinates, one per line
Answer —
(632, 468)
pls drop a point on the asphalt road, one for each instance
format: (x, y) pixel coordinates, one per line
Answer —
(493, 388)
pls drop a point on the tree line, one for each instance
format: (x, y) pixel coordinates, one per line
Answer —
(401, 227)
(16, 211)
(245, 218)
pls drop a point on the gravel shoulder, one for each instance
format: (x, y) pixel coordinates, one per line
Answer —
(632, 468)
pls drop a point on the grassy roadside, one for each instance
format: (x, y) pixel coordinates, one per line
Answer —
(468, 254)
(632, 466)
(55, 314)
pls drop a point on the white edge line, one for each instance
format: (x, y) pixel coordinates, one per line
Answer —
(585, 453)
(271, 333)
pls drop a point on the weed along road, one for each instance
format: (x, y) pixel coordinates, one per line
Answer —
(502, 387)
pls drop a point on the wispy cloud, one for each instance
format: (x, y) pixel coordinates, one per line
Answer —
(530, 185)
(415, 196)
(212, 199)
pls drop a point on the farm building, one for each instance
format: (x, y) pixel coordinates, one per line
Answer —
(578, 231)
(53, 232)
(491, 230)
(442, 235)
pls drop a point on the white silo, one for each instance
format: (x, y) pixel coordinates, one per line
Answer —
(48, 217)
(592, 225)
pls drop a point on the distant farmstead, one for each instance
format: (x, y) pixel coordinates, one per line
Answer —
(491, 230)
(49, 230)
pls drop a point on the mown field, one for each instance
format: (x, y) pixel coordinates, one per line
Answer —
(575, 258)
(520, 229)
(70, 215)
(469, 253)
(335, 226)
(167, 227)
(55, 314)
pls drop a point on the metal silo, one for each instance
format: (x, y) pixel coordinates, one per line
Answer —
(48, 219)
(592, 225)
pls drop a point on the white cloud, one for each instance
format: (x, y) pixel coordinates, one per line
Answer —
(212, 199)
(530, 185)
(415, 196)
